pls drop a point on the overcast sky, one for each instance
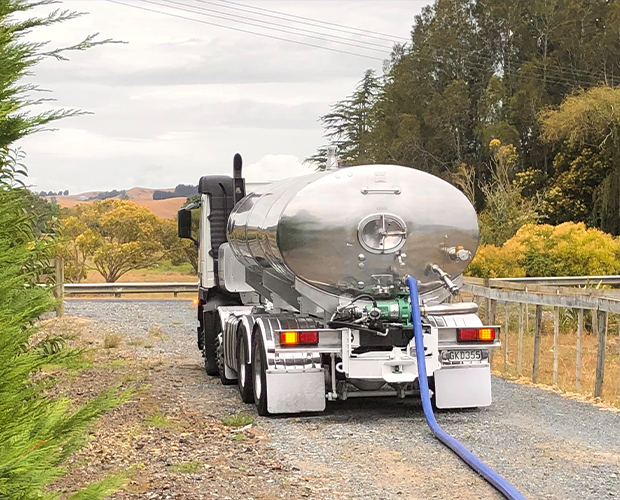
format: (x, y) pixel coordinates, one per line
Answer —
(181, 97)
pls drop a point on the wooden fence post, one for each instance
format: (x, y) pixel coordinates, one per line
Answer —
(537, 329)
(527, 316)
(491, 321)
(556, 342)
(600, 353)
(520, 342)
(59, 290)
(578, 358)
(506, 322)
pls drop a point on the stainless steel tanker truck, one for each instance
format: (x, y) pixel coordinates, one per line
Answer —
(302, 293)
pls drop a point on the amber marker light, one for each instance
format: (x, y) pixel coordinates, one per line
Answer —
(289, 338)
(486, 334)
(195, 301)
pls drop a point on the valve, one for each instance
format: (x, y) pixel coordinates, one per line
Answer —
(445, 279)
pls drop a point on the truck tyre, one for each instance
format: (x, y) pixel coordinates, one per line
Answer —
(244, 371)
(220, 360)
(259, 374)
(210, 331)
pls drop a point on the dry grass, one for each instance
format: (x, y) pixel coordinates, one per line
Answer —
(567, 354)
(111, 340)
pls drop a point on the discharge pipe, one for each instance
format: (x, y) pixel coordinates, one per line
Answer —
(492, 477)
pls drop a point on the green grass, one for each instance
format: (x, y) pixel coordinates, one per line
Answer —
(165, 266)
(158, 420)
(186, 467)
(131, 377)
(117, 363)
(238, 420)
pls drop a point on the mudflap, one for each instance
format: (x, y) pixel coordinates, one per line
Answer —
(466, 386)
(295, 392)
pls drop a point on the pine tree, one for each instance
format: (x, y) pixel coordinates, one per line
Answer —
(37, 433)
(348, 124)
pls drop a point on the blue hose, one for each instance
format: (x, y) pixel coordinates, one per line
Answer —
(492, 477)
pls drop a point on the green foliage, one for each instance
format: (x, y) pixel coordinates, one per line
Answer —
(158, 420)
(506, 210)
(348, 124)
(569, 249)
(238, 420)
(186, 467)
(181, 251)
(37, 433)
(587, 127)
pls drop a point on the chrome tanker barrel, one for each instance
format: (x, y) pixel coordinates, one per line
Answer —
(355, 230)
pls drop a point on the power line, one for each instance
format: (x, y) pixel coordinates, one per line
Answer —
(236, 19)
(309, 21)
(466, 63)
(292, 22)
(241, 30)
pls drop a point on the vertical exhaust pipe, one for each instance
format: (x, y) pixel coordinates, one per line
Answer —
(238, 180)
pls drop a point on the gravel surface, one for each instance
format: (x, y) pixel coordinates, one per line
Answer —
(547, 445)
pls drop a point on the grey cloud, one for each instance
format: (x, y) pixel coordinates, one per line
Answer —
(144, 120)
(210, 66)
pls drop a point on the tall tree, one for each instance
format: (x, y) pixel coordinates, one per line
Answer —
(587, 125)
(348, 124)
(37, 432)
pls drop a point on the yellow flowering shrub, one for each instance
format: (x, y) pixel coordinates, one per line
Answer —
(569, 249)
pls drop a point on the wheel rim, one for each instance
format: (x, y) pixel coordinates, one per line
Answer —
(242, 365)
(256, 368)
(220, 352)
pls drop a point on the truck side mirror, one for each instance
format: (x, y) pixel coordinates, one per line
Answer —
(184, 221)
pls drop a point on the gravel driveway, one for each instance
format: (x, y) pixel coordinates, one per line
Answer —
(549, 446)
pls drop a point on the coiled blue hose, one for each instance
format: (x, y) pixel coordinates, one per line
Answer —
(492, 477)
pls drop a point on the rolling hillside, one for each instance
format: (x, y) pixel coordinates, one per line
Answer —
(142, 196)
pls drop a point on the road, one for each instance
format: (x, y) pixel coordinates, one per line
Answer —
(547, 445)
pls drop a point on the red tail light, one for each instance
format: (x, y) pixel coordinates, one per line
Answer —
(485, 334)
(292, 338)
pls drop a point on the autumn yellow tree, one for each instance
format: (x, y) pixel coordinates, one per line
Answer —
(116, 235)
(78, 243)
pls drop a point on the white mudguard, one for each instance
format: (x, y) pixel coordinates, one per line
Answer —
(465, 386)
(292, 392)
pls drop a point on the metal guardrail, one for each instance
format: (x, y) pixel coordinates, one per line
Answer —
(561, 280)
(117, 289)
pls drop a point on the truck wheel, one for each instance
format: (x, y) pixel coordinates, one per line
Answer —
(244, 371)
(259, 374)
(210, 331)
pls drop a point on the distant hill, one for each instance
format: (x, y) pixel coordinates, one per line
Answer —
(142, 196)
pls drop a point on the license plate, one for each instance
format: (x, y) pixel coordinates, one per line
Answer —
(465, 355)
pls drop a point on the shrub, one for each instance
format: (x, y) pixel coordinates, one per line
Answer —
(569, 249)
(111, 340)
